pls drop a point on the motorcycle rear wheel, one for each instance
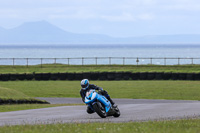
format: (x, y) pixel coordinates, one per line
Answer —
(117, 112)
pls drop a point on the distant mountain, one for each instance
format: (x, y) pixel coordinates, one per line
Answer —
(46, 33)
(166, 39)
(42, 32)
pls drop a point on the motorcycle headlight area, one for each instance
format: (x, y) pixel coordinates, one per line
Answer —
(90, 95)
(89, 92)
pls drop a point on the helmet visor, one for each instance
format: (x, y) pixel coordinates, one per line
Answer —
(84, 86)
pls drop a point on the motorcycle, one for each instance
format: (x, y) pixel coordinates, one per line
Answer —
(100, 104)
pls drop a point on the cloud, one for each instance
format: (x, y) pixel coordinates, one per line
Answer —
(8, 13)
(122, 17)
(146, 16)
(128, 17)
(181, 5)
(112, 10)
(78, 15)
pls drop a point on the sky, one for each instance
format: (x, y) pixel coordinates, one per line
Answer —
(116, 18)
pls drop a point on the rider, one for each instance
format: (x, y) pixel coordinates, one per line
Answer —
(86, 86)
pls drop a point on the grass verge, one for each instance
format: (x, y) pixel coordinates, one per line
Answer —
(7, 108)
(174, 126)
(174, 90)
(12, 96)
(51, 68)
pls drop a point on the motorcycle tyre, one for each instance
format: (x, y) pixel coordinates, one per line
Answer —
(99, 111)
(117, 112)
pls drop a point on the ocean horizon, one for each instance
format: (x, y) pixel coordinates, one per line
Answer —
(88, 50)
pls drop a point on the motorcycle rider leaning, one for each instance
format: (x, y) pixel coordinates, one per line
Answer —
(86, 87)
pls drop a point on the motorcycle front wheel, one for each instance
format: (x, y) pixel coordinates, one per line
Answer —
(100, 110)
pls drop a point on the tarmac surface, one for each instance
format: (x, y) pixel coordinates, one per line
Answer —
(131, 110)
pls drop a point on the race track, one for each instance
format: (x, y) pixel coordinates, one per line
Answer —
(131, 110)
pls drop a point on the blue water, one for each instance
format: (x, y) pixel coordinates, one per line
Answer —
(149, 51)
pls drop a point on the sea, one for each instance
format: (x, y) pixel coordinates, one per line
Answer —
(99, 54)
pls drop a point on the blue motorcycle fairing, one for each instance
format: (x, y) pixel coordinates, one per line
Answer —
(105, 102)
(93, 96)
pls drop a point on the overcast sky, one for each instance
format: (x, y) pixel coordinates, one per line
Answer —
(118, 18)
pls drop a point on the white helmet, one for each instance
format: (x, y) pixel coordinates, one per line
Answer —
(85, 84)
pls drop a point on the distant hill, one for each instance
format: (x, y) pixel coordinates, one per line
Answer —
(166, 39)
(42, 32)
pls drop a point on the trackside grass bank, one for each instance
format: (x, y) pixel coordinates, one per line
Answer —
(174, 126)
(52, 68)
(174, 90)
(14, 107)
(12, 96)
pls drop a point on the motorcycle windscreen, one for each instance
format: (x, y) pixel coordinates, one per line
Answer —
(90, 97)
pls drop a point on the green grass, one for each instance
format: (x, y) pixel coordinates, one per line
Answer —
(100, 68)
(7, 108)
(176, 90)
(8, 95)
(11, 93)
(181, 90)
(175, 126)
(173, 90)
